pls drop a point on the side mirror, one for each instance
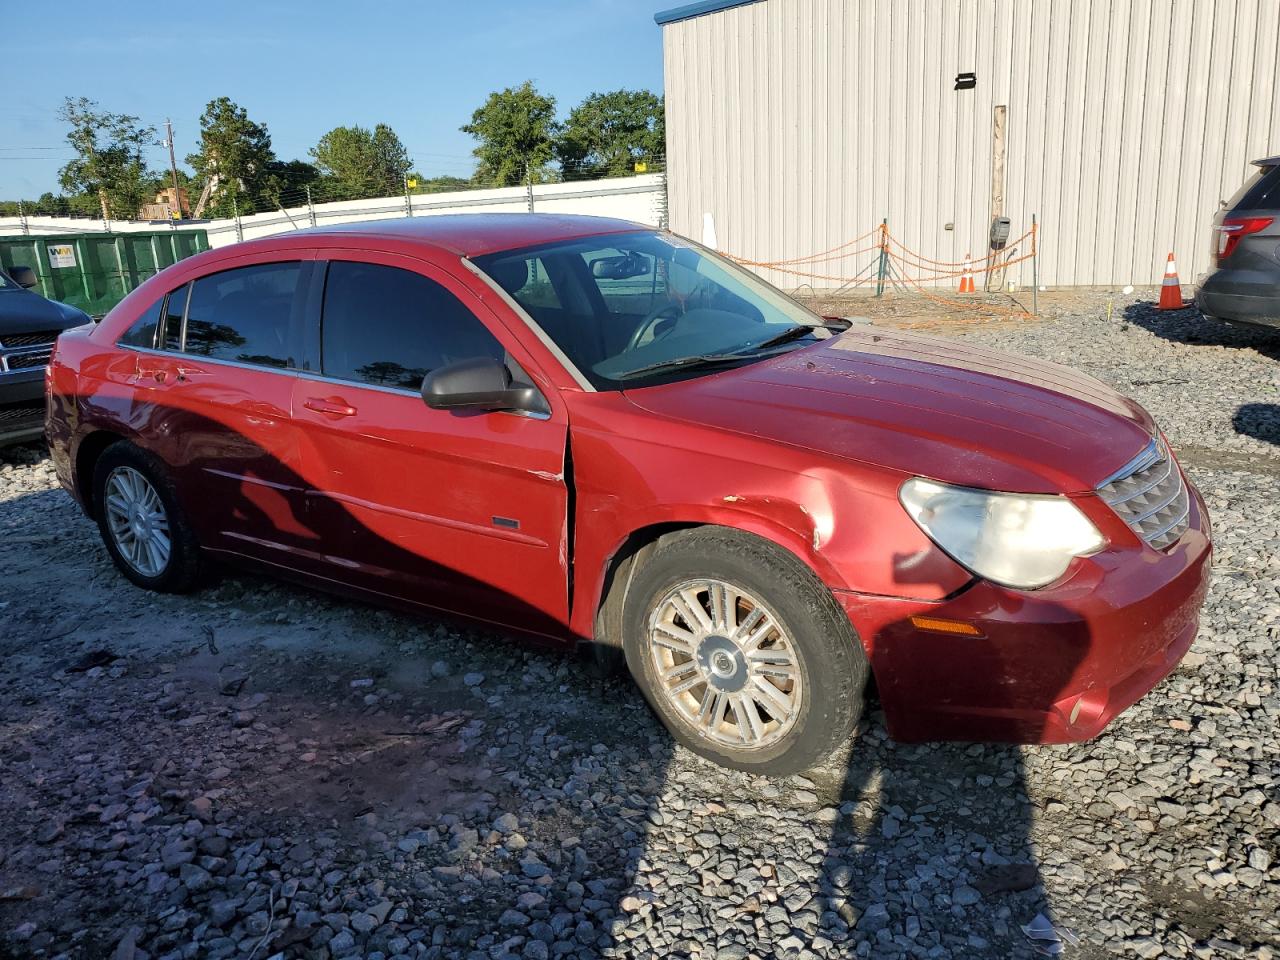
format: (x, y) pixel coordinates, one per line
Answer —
(24, 277)
(481, 383)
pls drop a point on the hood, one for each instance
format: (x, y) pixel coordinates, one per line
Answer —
(924, 406)
(22, 311)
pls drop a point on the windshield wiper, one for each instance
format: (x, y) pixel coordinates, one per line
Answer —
(700, 360)
(791, 333)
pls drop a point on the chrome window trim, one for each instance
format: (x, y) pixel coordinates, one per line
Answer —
(197, 358)
(569, 366)
(403, 392)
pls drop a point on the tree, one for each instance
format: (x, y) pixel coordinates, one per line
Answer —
(359, 163)
(108, 163)
(235, 153)
(290, 179)
(608, 132)
(516, 128)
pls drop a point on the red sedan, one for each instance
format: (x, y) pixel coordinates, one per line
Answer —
(596, 431)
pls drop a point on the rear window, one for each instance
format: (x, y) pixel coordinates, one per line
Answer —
(143, 331)
(1261, 192)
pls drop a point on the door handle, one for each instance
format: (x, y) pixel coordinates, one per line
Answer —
(186, 373)
(334, 407)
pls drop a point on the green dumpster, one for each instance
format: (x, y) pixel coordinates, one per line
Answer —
(94, 271)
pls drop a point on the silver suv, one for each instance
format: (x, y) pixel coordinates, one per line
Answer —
(1246, 286)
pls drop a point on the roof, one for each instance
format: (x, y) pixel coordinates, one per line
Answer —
(476, 234)
(1267, 162)
(691, 10)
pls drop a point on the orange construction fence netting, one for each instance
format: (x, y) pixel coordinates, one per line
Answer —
(897, 267)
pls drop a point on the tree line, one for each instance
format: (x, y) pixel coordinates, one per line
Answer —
(519, 139)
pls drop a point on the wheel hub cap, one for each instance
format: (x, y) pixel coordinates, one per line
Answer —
(137, 521)
(725, 664)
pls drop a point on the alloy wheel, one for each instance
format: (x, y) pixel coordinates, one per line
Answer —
(723, 660)
(138, 521)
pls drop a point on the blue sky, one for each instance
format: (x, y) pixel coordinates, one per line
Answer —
(304, 68)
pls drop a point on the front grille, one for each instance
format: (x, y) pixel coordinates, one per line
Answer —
(25, 361)
(1150, 495)
(30, 411)
(10, 341)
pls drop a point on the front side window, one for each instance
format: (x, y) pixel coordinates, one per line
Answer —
(244, 314)
(643, 307)
(390, 327)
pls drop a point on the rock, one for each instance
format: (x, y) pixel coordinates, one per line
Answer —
(507, 823)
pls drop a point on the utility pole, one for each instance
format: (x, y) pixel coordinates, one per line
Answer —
(408, 199)
(528, 182)
(173, 165)
(22, 218)
(311, 210)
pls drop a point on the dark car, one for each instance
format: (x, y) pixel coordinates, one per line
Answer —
(1246, 286)
(29, 325)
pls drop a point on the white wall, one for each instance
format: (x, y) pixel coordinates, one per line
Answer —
(626, 198)
(800, 124)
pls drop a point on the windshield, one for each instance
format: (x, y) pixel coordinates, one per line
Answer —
(638, 308)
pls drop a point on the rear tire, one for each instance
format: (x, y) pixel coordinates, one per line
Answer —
(765, 674)
(142, 525)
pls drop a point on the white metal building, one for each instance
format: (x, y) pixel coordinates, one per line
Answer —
(800, 124)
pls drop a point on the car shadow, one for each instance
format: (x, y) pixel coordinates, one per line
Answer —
(627, 846)
(1190, 326)
(1258, 420)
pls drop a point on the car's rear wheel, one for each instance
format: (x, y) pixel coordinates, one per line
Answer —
(742, 652)
(141, 523)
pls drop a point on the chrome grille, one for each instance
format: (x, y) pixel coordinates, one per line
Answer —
(25, 361)
(1150, 495)
(9, 341)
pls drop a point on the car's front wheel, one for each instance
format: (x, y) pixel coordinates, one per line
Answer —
(742, 652)
(141, 522)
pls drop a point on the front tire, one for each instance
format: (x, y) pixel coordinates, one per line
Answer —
(142, 525)
(742, 652)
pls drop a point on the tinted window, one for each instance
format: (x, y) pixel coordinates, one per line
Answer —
(244, 314)
(390, 327)
(176, 305)
(1262, 192)
(143, 331)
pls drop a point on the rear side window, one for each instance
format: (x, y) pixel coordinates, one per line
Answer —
(175, 307)
(391, 327)
(244, 314)
(1262, 192)
(143, 331)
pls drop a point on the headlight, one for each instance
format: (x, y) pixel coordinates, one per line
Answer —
(1018, 540)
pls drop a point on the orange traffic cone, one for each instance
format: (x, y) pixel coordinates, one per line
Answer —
(1171, 289)
(966, 278)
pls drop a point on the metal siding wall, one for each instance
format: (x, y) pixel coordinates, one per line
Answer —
(799, 124)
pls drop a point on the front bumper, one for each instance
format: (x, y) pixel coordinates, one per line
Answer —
(22, 406)
(1053, 665)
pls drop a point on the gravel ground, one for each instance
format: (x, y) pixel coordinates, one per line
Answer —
(258, 771)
